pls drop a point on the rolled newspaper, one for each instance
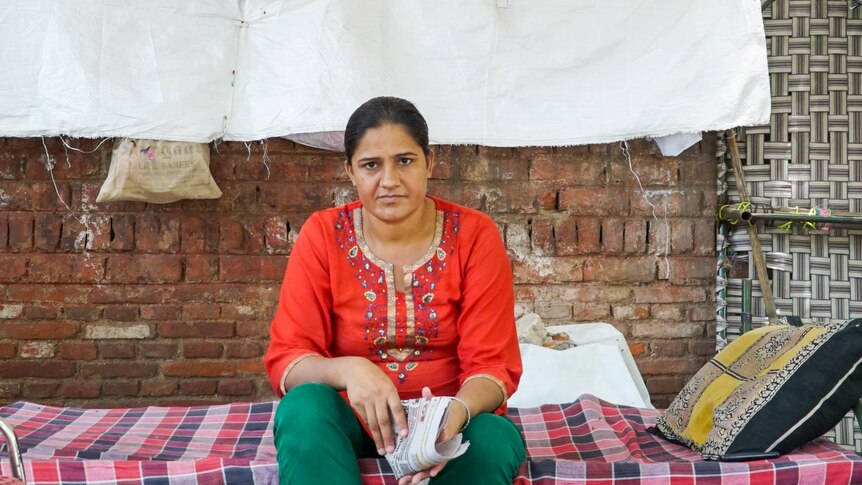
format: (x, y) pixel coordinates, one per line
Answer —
(419, 450)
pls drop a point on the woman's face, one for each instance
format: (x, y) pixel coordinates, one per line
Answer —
(390, 172)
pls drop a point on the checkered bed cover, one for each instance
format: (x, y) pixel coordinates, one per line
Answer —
(589, 441)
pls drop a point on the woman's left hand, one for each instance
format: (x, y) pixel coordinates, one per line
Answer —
(455, 420)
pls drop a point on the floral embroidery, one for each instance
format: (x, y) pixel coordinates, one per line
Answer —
(399, 338)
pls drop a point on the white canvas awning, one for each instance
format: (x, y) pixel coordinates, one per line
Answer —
(499, 73)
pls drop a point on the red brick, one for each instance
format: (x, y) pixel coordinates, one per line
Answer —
(40, 389)
(252, 329)
(119, 369)
(651, 171)
(12, 267)
(237, 269)
(276, 230)
(201, 349)
(157, 234)
(590, 311)
(466, 195)
(637, 348)
(594, 201)
(144, 268)
(192, 234)
(668, 311)
(668, 330)
(685, 270)
(242, 350)
(516, 199)
(80, 312)
(580, 169)
(664, 385)
(669, 348)
(201, 269)
(8, 350)
(50, 369)
(77, 350)
(680, 203)
(705, 347)
(183, 368)
(251, 367)
(20, 231)
(231, 236)
(121, 313)
(612, 236)
(548, 270)
(631, 312)
(46, 233)
(158, 350)
(198, 387)
(202, 311)
(618, 270)
(33, 196)
(10, 390)
(550, 310)
(81, 389)
(117, 350)
(661, 293)
(160, 312)
(41, 312)
(126, 294)
(75, 234)
(196, 329)
(4, 231)
(242, 312)
(235, 387)
(704, 237)
(681, 237)
(39, 330)
(635, 238)
(669, 366)
(116, 387)
(494, 164)
(158, 388)
(123, 231)
(253, 236)
(36, 350)
(542, 237)
(98, 232)
(11, 165)
(66, 268)
(702, 312)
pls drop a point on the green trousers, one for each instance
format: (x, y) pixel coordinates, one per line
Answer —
(318, 440)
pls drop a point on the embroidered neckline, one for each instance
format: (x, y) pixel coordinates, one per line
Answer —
(388, 267)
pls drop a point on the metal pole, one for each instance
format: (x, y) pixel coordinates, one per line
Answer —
(731, 214)
(14, 452)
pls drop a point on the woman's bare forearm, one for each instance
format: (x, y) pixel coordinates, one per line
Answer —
(481, 395)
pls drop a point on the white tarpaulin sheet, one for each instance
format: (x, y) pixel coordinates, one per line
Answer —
(491, 72)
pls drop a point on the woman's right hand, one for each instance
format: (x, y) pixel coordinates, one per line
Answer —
(374, 398)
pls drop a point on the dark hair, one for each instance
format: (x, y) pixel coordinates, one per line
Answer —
(380, 111)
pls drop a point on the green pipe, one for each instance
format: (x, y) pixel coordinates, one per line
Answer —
(746, 306)
(735, 216)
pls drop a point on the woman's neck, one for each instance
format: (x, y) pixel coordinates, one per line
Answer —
(416, 229)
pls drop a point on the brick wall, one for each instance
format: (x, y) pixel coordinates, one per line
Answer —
(131, 303)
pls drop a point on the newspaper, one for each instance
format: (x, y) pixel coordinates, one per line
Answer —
(419, 450)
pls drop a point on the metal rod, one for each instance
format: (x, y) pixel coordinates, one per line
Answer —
(14, 451)
(757, 256)
(746, 306)
(731, 214)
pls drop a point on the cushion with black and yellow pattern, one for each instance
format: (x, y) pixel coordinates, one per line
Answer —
(771, 390)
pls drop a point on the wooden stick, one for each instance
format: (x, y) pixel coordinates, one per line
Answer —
(756, 250)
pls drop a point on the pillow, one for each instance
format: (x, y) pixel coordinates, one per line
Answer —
(771, 390)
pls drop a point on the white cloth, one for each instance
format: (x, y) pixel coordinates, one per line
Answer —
(499, 73)
(601, 364)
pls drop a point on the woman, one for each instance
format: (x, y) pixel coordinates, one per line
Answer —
(394, 296)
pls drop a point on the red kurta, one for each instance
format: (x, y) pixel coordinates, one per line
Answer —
(455, 321)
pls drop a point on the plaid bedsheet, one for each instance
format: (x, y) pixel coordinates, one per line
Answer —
(586, 442)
